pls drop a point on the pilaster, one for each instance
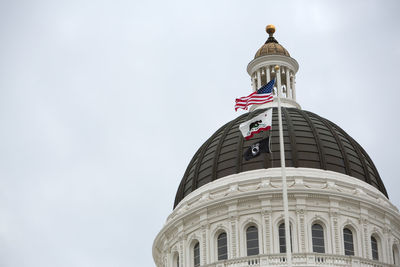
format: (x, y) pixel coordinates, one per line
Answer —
(234, 232)
(365, 237)
(333, 212)
(266, 224)
(300, 217)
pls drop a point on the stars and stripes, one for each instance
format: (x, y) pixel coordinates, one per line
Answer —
(261, 96)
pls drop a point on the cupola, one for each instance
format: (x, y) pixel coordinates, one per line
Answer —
(262, 69)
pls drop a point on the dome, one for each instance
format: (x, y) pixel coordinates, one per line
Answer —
(271, 46)
(310, 142)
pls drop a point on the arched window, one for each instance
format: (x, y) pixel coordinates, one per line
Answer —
(196, 255)
(252, 241)
(176, 260)
(374, 248)
(282, 238)
(318, 241)
(222, 247)
(395, 251)
(348, 242)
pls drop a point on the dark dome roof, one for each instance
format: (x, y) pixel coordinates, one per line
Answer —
(310, 141)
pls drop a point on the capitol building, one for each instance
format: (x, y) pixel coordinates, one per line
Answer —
(229, 212)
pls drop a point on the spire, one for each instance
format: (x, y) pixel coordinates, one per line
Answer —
(262, 69)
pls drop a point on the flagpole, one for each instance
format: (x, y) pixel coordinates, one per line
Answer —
(283, 169)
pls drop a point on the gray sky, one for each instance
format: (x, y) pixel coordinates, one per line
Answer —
(103, 104)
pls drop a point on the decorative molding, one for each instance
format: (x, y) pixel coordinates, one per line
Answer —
(349, 186)
(250, 220)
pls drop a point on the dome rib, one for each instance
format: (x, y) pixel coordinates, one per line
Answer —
(201, 157)
(320, 149)
(338, 142)
(310, 142)
(359, 153)
(181, 189)
(378, 178)
(218, 149)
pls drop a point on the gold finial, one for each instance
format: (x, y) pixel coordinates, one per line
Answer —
(276, 67)
(270, 29)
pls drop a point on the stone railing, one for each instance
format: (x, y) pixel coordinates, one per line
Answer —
(299, 260)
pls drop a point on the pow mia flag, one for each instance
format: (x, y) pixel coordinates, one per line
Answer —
(257, 148)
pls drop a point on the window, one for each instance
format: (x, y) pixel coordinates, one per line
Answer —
(374, 248)
(252, 241)
(222, 247)
(282, 238)
(196, 255)
(318, 242)
(176, 260)
(348, 242)
(395, 251)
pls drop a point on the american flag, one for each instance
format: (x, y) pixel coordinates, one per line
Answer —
(261, 96)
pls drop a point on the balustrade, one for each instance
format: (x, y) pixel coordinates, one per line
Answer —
(300, 260)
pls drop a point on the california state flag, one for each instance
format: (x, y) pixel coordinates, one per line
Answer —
(262, 122)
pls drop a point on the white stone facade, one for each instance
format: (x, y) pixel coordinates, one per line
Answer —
(233, 203)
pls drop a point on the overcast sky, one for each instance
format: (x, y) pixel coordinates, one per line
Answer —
(103, 104)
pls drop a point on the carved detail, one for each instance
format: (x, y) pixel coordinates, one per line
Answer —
(233, 189)
(300, 211)
(265, 183)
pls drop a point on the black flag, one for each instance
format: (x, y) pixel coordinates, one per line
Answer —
(257, 148)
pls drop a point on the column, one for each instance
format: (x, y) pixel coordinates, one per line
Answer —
(279, 82)
(253, 83)
(294, 87)
(288, 88)
(258, 79)
(268, 73)
(276, 82)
